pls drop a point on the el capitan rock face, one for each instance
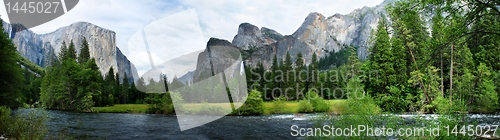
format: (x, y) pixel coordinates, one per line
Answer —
(29, 44)
(41, 49)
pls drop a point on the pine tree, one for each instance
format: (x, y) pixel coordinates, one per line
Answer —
(133, 94)
(108, 86)
(438, 44)
(410, 37)
(84, 52)
(300, 75)
(63, 52)
(485, 99)
(175, 84)
(71, 51)
(70, 70)
(288, 76)
(11, 73)
(249, 76)
(259, 69)
(382, 57)
(89, 86)
(60, 86)
(275, 84)
(125, 89)
(313, 72)
(165, 82)
(117, 88)
(52, 83)
(96, 81)
(141, 87)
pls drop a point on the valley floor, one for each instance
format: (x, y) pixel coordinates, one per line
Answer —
(290, 108)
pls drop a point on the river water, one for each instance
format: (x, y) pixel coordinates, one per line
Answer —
(150, 126)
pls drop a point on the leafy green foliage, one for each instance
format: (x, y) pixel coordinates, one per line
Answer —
(163, 103)
(29, 126)
(485, 99)
(313, 72)
(245, 54)
(108, 89)
(11, 73)
(334, 59)
(318, 103)
(254, 105)
(358, 102)
(31, 66)
(305, 106)
(84, 55)
(71, 52)
(77, 84)
(279, 105)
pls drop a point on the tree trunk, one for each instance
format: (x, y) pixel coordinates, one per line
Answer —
(451, 75)
(442, 75)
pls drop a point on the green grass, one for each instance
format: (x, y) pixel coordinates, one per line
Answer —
(122, 108)
(290, 108)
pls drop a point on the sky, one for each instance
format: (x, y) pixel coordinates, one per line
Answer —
(176, 28)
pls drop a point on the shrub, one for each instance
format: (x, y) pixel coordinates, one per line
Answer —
(442, 105)
(23, 126)
(359, 102)
(163, 103)
(305, 106)
(318, 103)
(254, 105)
(279, 105)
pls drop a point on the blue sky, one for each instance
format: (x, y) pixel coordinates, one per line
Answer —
(216, 18)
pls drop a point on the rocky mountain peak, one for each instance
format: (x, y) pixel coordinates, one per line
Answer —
(314, 16)
(42, 48)
(219, 55)
(82, 23)
(250, 36)
(270, 33)
(313, 32)
(318, 35)
(248, 29)
(218, 42)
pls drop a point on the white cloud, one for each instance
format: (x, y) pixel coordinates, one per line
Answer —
(168, 38)
(141, 60)
(217, 19)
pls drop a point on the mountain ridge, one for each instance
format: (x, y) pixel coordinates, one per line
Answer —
(319, 34)
(316, 35)
(42, 48)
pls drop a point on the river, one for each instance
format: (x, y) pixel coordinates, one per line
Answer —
(150, 126)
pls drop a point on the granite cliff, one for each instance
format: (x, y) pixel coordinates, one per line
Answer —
(317, 34)
(219, 56)
(251, 37)
(42, 48)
